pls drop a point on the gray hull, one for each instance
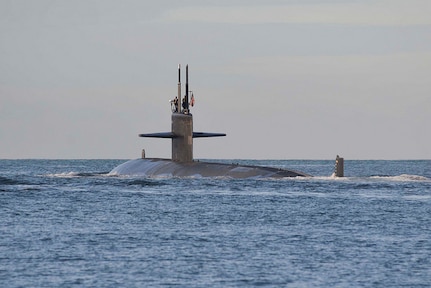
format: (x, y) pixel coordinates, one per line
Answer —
(151, 167)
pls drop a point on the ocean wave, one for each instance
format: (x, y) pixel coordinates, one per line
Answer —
(9, 181)
(73, 174)
(397, 178)
(77, 174)
(403, 177)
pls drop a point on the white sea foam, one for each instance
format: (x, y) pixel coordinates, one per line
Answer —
(332, 177)
(64, 175)
(73, 174)
(326, 178)
(398, 178)
(113, 174)
(403, 177)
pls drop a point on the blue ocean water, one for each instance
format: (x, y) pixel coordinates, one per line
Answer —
(68, 223)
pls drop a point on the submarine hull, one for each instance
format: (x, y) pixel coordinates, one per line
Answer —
(155, 167)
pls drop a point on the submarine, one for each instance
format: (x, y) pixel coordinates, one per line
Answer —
(182, 163)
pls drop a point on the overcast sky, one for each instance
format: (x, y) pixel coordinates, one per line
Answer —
(284, 79)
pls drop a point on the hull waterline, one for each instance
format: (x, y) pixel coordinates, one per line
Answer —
(154, 167)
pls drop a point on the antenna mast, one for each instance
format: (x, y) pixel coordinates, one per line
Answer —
(179, 89)
(187, 90)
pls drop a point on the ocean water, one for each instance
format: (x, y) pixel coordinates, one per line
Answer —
(68, 223)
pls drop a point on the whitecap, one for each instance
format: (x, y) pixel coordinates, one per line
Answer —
(402, 178)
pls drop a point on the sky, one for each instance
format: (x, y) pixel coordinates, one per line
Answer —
(283, 79)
